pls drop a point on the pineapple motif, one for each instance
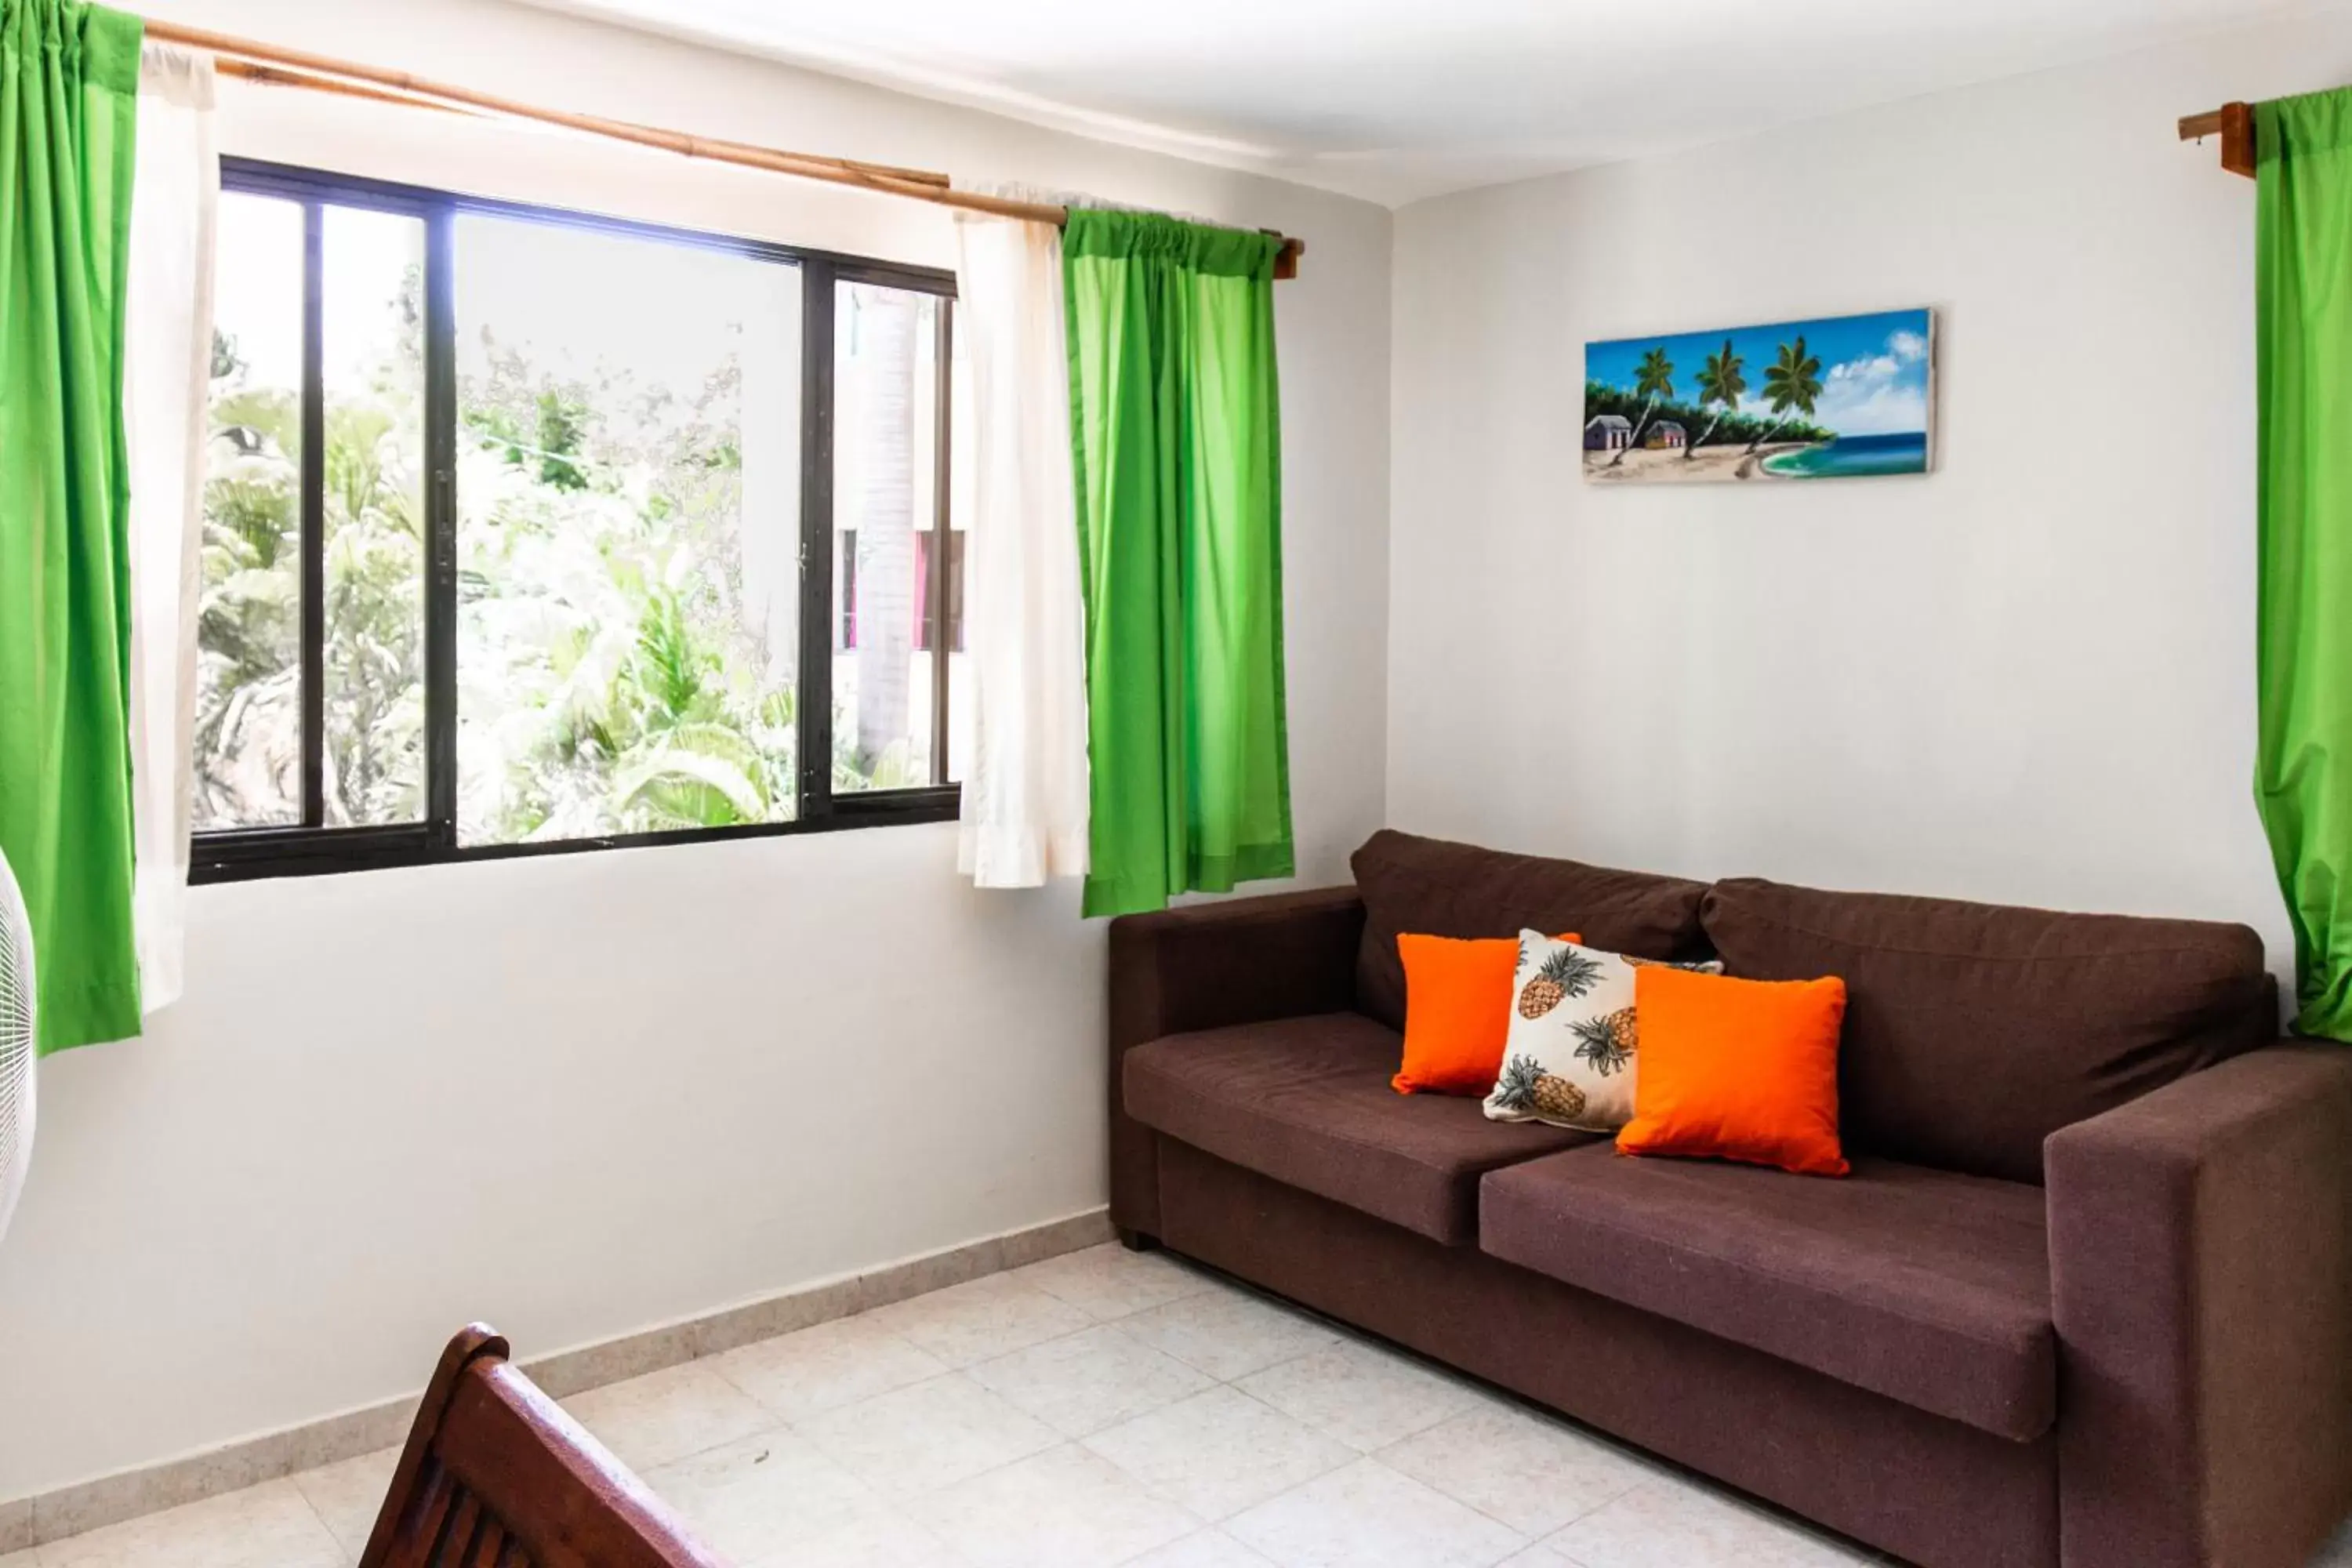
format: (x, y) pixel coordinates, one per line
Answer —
(1607, 1043)
(1564, 973)
(1557, 1100)
(1516, 1089)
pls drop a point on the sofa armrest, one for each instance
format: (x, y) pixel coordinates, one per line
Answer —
(2201, 1289)
(1242, 961)
(1206, 966)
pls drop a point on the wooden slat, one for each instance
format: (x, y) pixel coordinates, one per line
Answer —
(489, 1544)
(424, 1524)
(456, 1538)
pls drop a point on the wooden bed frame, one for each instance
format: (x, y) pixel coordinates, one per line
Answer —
(496, 1475)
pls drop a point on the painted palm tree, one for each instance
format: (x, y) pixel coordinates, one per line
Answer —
(1653, 378)
(1720, 384)
(1791, 386)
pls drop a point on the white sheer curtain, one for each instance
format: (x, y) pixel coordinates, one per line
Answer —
(167, 374)
(1024, 796)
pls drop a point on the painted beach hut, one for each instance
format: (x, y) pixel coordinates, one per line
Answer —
(1666, 435)
(1608, 432)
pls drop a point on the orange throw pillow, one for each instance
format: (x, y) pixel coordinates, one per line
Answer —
(1457, 1012)
(1739, 1070)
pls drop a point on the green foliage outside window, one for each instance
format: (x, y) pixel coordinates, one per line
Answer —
(612, 672)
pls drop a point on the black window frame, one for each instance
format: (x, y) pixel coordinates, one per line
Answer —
(315, 848)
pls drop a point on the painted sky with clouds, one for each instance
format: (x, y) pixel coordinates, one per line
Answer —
(1874, 370)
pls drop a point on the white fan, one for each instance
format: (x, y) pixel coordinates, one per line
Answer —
(15, 1043)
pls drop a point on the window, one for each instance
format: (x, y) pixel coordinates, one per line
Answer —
(311, 662)
(528, 532)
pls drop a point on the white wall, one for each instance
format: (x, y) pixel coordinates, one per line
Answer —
(2028, 676)
(584, 1095)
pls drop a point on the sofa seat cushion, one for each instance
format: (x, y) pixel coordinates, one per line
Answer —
(1307, 1102)
(1927, 1286)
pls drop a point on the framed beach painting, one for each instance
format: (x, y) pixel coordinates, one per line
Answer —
(1836, 397)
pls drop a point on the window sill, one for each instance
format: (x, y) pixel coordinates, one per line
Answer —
(270, 852)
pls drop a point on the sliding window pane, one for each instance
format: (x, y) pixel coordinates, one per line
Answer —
(628, 534)
(248, 737)
(372, 373)
(887, 386)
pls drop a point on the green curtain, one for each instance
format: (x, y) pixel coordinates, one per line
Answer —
(2303, 308)
(1176, 427)
(68, 119)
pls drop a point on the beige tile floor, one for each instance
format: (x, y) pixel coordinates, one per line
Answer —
(1099, 1409)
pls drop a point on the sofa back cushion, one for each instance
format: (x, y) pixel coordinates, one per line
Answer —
(1974, 1031)
(1443, 888)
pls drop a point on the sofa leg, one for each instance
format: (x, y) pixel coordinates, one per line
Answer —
(1137, 1241)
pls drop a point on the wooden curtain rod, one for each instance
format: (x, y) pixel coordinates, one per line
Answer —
(276, 67)
(2234, 124)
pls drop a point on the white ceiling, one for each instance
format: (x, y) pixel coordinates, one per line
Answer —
(1398, 99)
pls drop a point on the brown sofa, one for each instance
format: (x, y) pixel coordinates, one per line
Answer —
(2086, 1298)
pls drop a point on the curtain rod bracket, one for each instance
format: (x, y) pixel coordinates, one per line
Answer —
(2234, 124)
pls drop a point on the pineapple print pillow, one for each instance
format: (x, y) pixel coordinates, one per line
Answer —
(1570, 1055)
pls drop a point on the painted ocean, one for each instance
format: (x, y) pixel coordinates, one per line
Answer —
(1854, 457)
